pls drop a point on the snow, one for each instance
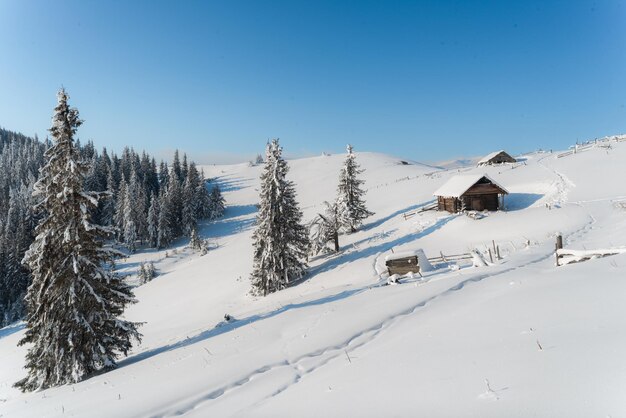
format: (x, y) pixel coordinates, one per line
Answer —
(342, 343)
(458, 185)
(567, 256)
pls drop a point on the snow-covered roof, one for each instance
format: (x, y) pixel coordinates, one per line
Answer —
(488, 157)
(458, 185)
(404, 254)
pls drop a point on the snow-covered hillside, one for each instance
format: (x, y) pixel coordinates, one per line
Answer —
(519, 337)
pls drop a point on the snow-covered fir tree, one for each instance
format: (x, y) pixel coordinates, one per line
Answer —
(217, 203)
(107, 211)
(203, 197)
(350, 204)
(153, 221)
(165, 229)
(190, 203)
(138, 209)
(195, 242)
(324, 230)
(120, 216)
(280, 239)
(146, 273)
(75, 300)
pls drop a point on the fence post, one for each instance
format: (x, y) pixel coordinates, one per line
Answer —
(559, 245)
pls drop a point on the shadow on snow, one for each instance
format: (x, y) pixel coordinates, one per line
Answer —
(236, 219)
(11, 329)
(351, 256)
(228, 184)
(381, 221)
(223, 328)
(519, 201)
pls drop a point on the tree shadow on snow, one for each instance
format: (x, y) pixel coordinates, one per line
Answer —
(519, 201)
(11, 329)
(223, 328)
(381, 221)
(359, 253)
(236, 219)
(229, 184)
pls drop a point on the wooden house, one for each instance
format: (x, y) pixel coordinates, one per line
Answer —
(470, 192)
(498, 157)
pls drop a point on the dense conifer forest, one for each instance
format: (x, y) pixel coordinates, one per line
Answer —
(148, 205)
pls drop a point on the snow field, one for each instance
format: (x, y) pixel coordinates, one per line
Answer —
(340, 343)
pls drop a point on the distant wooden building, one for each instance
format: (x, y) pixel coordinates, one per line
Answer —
(470, 192)
(497, 157)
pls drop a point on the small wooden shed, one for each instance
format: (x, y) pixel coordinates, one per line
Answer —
(498, 157)
(470, 192)
(407, 262)
(403, 265)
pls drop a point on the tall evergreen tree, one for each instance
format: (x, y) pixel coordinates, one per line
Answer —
(128, 221)
(217, 204)
(165, 229)
(190, 202)
(350, 204)
(107, 212)
(175, 205)
(280, 240)
(153, 221)
(203, 198)
(177, 170)
(120, 217)
(75, 299)
(138, 206)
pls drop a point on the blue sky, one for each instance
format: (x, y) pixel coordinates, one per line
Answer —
(427, 80)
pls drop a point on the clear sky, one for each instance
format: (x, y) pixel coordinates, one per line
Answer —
(425, 80)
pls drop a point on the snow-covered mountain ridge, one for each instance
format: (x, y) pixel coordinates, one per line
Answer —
(520, 337)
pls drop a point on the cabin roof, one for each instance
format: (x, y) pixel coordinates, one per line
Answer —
(458, 185)
(491, 156)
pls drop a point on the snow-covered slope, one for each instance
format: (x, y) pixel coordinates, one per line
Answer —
(519, 337)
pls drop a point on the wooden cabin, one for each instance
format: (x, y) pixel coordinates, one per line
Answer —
(498, 157)
(470, 192)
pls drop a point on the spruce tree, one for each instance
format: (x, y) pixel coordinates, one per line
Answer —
(120, 210)
(107, 212)
(203, 198)
(280, 240)
(138, 205)
(165, 229)
(350, 205)
(75, 300)
(153, 221)
(190, 200)
(216, 203)
(194, 241)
